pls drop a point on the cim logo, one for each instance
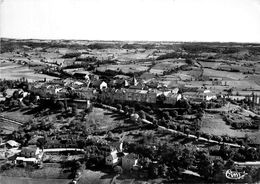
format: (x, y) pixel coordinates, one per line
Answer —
(235, 175)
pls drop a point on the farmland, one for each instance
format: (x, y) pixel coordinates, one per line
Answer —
(173, 106)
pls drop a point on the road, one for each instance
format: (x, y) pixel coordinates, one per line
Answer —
(181, 133)
(3, 118)
(63, 149)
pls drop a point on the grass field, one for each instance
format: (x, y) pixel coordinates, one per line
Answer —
(104, 118)
(19, 115)
(14, 71)
(216, 126)
(224, 74)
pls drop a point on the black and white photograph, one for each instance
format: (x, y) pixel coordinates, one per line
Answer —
(129, 91)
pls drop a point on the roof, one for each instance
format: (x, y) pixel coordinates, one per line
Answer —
(12, 143)
(10, 92)
(121, 77)
(26, 159)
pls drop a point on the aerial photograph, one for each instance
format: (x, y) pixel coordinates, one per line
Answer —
(129, 91)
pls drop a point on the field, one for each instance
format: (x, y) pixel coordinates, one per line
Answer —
(104, 119)
(124, 68)
(14, 71)
(224, 74)
(214, 124)
(22, 180)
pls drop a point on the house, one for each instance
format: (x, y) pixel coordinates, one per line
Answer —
(86, 93)
(200, 95)
(31, 155)
(172, 98)
(112, 158)
(129, 162)
(8, 93)
(11, 144)
(139, 86)
(99, 84)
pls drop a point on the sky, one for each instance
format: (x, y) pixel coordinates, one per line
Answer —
(146, 20)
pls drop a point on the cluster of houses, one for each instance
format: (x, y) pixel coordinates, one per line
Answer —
(27, 155)
(143, 96)
(137, 92)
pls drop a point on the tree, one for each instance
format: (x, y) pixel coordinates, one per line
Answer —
(187, 158)
(161, 98)
(132, 110)
(225, 152)
(144, 161)
(205, 166)
(218, 166)
(198, 134)
(110, 135)
(41, 142)
(15, 95)
(118, 170)
(166, 115)
(203, 105)
(119, 107)
(153, 171)
(163, 170)
(199, 115)
(126, 109)
(60, 105)
(74, 110)
(174, 113)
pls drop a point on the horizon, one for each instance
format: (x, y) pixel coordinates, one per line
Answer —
(134, 41)
(229, 21)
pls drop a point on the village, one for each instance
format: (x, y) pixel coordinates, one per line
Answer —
(131, 118)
